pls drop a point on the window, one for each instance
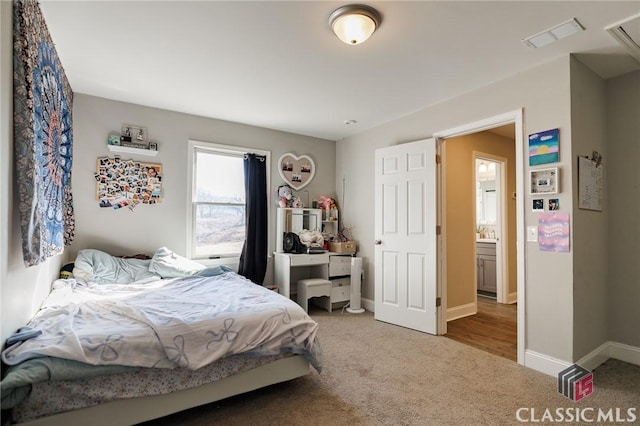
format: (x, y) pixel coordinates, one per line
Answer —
(217, 204)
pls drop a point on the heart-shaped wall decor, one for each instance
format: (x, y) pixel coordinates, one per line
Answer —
(296, 171)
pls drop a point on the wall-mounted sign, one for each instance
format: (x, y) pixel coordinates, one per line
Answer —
(297, 171)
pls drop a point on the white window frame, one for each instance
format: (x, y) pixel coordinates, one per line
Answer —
(195, 146)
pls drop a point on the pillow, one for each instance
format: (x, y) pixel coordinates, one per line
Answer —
(212, 271)
(98, 267)
(168, 264)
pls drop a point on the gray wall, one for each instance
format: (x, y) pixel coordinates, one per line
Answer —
(623, 189)
(590, 287)
(151, 226)
(21, 289)
(544, 93)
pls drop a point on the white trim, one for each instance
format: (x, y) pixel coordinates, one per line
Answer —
(615, 350)
(544, 363)
(520, 234)
(552, 366)
(596, 357)
(626, 353)
(462, 311)
(502, 234)
(368, 304)
(515, 117)
(220, 148)
(512, 298)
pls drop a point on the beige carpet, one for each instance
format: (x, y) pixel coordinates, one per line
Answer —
(380, 374)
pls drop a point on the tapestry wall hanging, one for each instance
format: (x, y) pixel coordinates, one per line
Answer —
(42, 103)
(127, 183)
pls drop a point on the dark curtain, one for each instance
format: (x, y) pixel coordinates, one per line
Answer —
(253, 260)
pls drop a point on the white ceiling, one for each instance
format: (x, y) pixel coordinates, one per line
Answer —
(278, 65)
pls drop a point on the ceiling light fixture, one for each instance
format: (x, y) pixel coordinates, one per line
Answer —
(354, 23)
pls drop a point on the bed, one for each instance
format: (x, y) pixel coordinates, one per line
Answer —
(128, 340)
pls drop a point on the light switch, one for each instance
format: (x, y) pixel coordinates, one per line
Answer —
(532, 234)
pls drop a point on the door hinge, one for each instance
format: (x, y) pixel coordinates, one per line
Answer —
(437, 158)
(438, 301)
(438, 229)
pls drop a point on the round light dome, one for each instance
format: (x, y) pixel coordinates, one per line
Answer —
(353, 24)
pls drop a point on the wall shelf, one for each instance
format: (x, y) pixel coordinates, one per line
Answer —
(131, 150)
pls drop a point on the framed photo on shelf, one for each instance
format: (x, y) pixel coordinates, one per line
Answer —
(544, 181)
(134, 134)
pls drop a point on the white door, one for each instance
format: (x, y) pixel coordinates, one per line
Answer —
(405, 235)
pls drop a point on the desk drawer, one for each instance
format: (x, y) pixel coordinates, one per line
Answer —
(339, 265)
(309, 259)
(340, 290)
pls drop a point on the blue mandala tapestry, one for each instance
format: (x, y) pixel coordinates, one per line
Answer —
(42, 103)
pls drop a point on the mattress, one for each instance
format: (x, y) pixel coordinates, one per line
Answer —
(52, 397)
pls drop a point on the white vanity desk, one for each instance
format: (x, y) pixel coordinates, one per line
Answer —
(289, 268)
(336, 267)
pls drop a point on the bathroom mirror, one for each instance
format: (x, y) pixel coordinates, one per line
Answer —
(486, 202)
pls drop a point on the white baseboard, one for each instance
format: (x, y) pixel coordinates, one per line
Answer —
(607, 350)
(368, 304)
(544, 363)
(596, 357)
(626, 353)
(462, 311)
(552, 366)
(512, 298)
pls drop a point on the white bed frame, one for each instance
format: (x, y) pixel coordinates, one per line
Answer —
(135, 410)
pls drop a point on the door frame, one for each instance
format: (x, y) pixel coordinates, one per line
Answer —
(502, 255)
(515, 117)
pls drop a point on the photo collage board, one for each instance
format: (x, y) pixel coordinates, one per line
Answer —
(127, 183)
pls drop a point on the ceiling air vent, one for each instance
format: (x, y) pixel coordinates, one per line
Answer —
(627, 32)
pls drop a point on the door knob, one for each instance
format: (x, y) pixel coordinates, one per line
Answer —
(377, 242)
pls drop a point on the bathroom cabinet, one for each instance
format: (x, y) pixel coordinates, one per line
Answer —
(486, 264)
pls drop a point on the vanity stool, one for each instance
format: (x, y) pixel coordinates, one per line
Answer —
(313, 287)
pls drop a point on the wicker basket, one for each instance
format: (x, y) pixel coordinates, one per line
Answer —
(343, 247)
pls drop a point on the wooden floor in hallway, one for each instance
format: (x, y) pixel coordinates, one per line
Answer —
(493, 329)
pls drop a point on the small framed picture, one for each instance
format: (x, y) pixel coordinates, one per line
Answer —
(544, 181)
(537, 205)
(153, 146)
(134, 133)
(554, 204)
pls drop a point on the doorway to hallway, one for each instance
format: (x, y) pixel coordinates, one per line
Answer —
(493, 329)
(480, 240)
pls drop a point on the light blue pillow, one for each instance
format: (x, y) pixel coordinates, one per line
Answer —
(95, 266)
(168, 264)
(212, 271)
